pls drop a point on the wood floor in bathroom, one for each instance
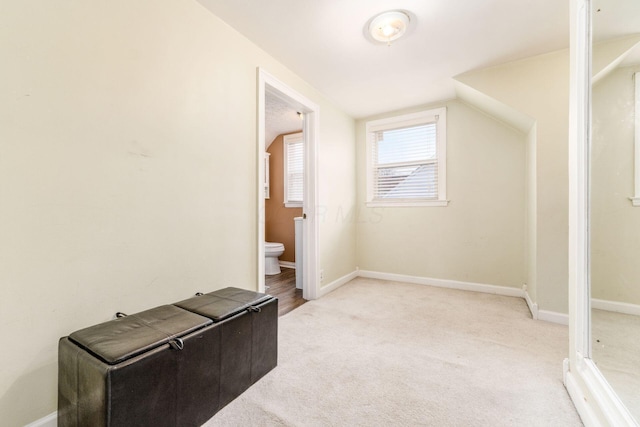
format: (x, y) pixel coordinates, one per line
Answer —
(283, 287)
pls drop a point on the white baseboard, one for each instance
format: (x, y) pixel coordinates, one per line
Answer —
(580, 401)
(337, 283)
(443, 283)
(50, 420)
(533, 306)
(596, 402)
(554, 317)
(548, 316)
(287, 264)
(615, 306)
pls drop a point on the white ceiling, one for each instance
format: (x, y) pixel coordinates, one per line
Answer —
(280, 119)
(617, 18)
(323, 42)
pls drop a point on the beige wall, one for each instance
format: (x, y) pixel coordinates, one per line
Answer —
(480, 236)
(533, 95)
(337, 200)
(531, 215)
(279, 224)
(128, 172)
(615, 223)
(538, 88)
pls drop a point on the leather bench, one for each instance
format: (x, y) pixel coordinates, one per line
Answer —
(173, 365)
(248, 334)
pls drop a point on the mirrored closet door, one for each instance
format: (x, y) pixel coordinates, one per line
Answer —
(614, 203)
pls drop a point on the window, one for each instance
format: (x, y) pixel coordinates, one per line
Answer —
(406, 160)
(293, 170)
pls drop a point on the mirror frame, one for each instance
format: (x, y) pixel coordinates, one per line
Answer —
(595, 400)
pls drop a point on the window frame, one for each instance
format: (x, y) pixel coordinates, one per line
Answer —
(293, 138)
(437, 115)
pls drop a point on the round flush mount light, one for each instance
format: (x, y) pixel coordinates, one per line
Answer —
(388, 26)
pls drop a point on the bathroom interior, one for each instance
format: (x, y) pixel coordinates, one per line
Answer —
(284, 178)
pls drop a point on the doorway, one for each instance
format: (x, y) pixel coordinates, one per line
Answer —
(271, 88)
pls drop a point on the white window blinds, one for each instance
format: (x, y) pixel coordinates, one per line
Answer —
(294, 169)
(406, 163)
(407, 159)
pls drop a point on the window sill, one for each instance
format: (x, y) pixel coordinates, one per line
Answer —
(293, 204)
(635, 201)
(407, 203)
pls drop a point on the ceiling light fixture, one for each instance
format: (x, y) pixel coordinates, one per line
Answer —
(389, 26)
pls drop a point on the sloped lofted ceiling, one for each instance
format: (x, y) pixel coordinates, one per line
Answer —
(324, 43)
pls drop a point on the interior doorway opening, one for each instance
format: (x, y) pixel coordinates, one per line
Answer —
(275, 94)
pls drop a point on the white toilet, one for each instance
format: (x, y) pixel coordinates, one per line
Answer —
(271, 253)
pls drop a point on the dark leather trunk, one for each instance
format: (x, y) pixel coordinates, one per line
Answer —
(170, 366)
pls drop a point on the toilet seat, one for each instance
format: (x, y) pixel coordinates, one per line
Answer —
(273, 247)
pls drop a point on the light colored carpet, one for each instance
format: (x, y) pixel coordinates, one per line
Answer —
(378, 353)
